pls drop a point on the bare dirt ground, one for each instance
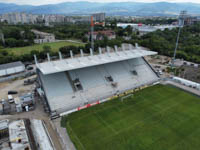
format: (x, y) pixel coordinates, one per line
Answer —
(190, 73)
(159, 63)
(16, 85)
(158, 59)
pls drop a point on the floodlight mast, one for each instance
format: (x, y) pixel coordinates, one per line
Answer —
(182, 16)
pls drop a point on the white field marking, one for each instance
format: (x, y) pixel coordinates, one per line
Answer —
(105, 108)
(112, 106)
(125, 97)
(76, 137)
(106, 123)
(108, 107)
(139, 122)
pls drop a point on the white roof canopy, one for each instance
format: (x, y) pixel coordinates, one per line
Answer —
(61, 65)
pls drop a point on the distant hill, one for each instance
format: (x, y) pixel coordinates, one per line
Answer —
(122, 8)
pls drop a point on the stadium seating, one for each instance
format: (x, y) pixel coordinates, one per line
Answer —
(97, 82)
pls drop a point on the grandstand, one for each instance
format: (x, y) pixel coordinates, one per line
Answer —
(78, 81)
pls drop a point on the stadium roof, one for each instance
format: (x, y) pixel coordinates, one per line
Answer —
(51, 67)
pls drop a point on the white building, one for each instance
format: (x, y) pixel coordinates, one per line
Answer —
(43, 37)
(17, 17)
(11, 68)
(187, 82)
(144, 29)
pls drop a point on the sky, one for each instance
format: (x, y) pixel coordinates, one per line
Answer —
(42, 2)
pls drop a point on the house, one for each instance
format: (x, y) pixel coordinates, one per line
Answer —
(99, 35)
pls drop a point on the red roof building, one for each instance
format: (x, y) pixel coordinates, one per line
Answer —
(99, 35)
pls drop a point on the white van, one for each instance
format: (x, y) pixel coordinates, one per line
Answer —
(10, 99)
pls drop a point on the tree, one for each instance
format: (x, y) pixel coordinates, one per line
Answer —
(35, 52)
(84, 39)
(129, 30)
(64, 50)
(46, 49)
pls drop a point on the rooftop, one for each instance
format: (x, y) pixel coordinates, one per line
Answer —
(11, 65)
(41, 33)
(61, 65)
(18, 135)
(106, 32)
(3, 124)
(41, 135)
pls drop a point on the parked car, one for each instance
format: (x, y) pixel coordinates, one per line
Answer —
(29, 81)
(12, 92)
(29, 68)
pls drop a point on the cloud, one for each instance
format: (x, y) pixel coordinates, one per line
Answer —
(39, 2)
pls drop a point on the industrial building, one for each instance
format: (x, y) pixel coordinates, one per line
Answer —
(11, 68)
(144, 29)
(4, 134)
(72, 83)
(187, 82)
(24, 134)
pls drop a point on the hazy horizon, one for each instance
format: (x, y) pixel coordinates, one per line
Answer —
(44, 2)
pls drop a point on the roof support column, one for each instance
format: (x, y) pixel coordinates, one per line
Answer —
(48, 57)
(91, 52)
(60, 55)
(82, 54)
(71, 54)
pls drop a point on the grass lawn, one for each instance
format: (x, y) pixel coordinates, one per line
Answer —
(54, 46)
(156, 118)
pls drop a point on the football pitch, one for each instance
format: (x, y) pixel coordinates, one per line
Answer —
(156, 118)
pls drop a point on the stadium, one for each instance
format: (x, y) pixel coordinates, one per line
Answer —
(73, 83)
(130, 110)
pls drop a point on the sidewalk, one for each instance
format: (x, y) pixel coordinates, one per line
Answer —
(191, 90)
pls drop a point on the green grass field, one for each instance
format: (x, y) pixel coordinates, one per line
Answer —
(156, 118)
(54, 46)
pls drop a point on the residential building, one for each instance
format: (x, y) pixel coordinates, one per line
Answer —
(15, 18)
(99, 17)
(99, 35)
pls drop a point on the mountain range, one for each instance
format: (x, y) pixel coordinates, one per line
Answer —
(115, 8)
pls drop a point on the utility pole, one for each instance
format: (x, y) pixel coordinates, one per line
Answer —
(182, 16)
(2, 37)
(92, 30)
